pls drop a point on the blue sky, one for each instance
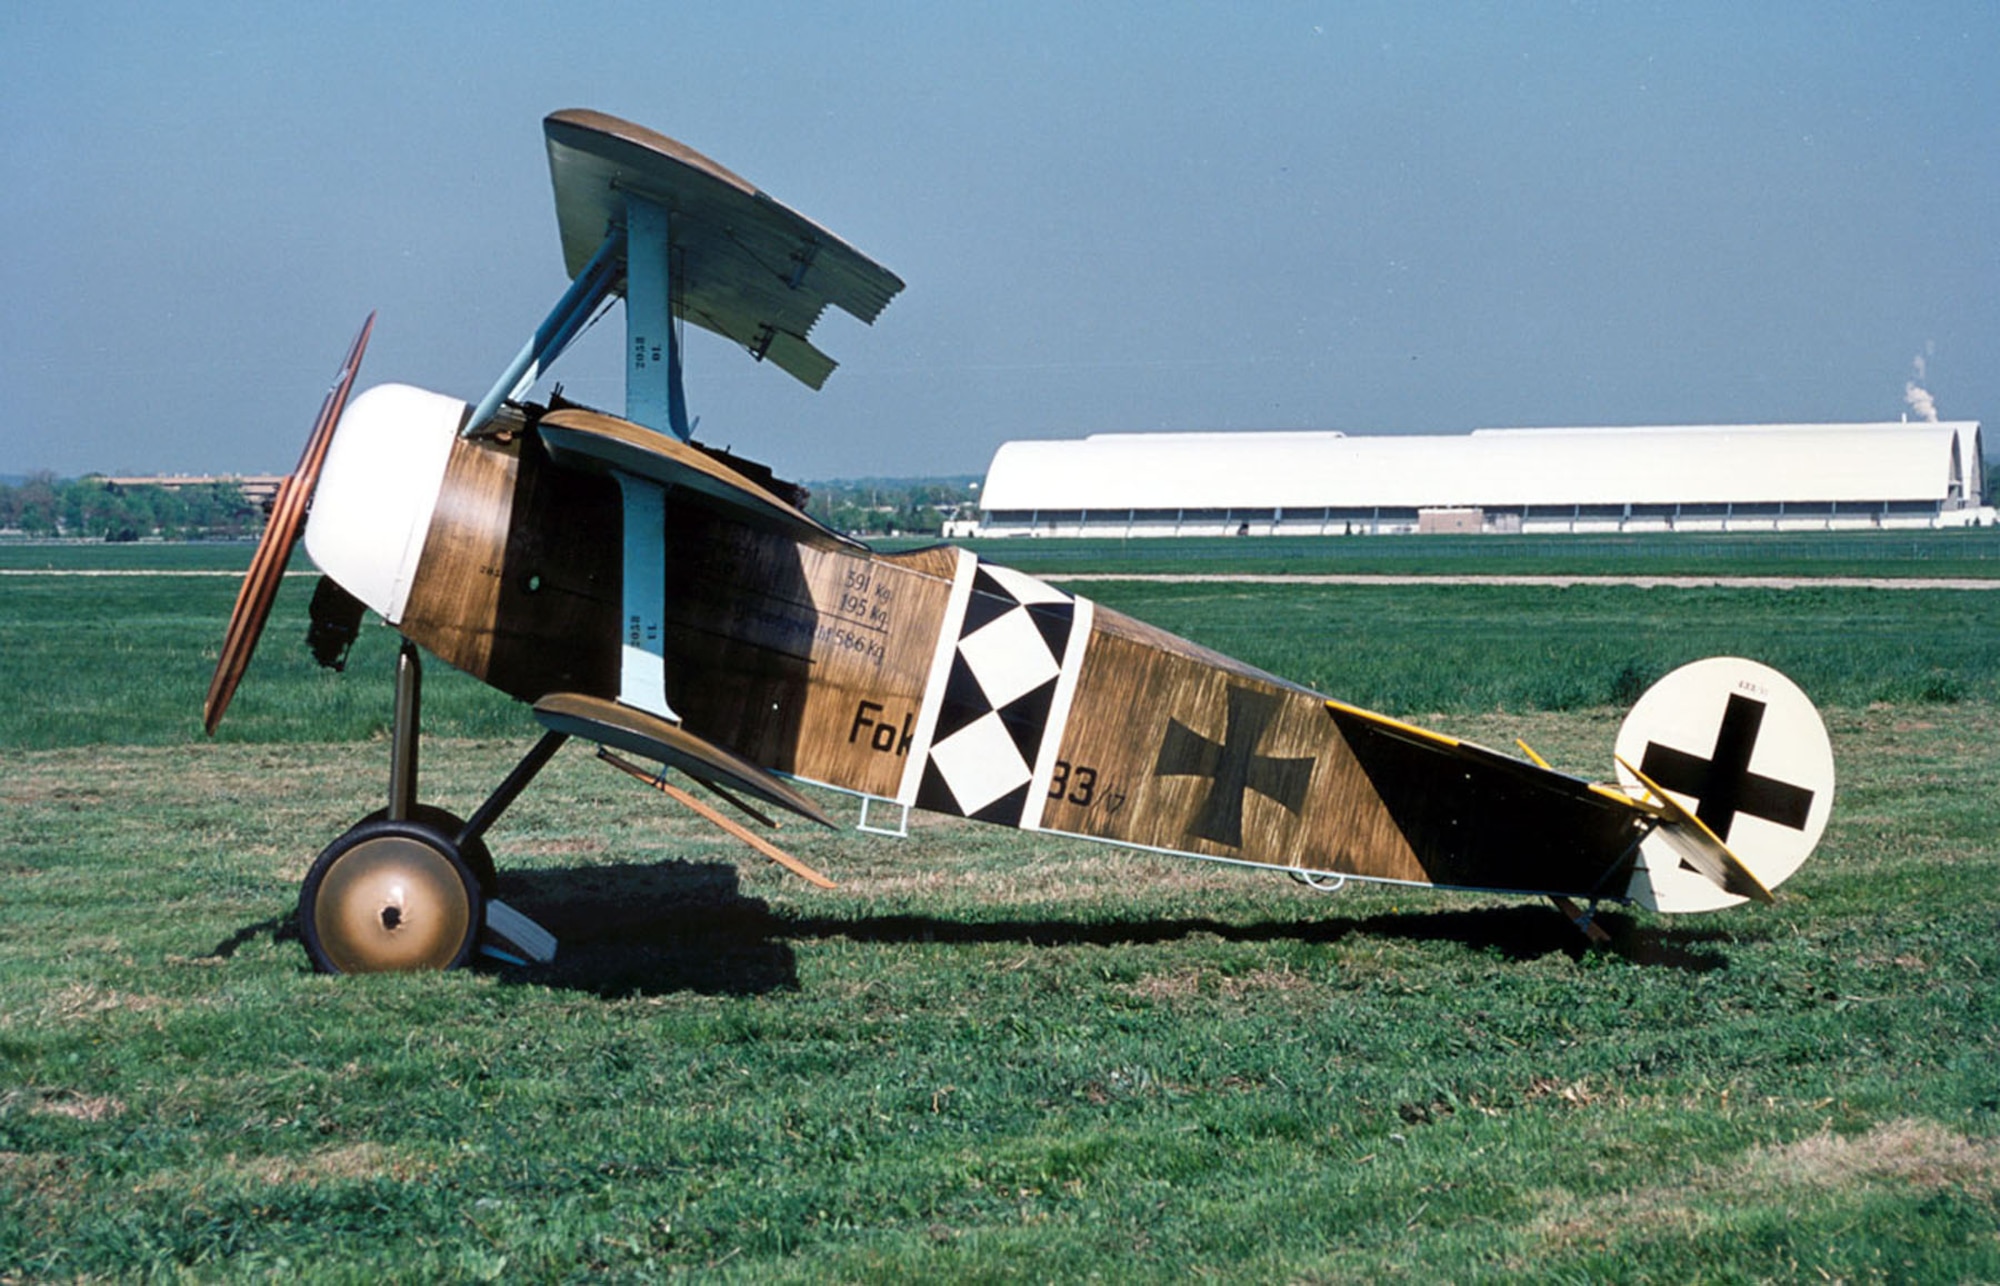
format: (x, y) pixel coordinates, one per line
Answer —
(1368, 217)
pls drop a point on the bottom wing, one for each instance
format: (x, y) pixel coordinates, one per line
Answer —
(609, 723)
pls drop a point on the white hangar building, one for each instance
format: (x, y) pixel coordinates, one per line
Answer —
(1765, 477)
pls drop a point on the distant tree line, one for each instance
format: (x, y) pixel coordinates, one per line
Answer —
(94, 509)
(893, 506)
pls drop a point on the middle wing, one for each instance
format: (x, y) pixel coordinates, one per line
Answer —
(593, 442)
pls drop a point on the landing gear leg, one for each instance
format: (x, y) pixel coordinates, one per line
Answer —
(403, 733)
(411, 885)
(396, 891)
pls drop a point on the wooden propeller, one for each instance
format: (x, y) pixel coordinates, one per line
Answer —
(274, 548)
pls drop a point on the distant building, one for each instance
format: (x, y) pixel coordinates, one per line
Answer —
(257, 488)
(1768, 477)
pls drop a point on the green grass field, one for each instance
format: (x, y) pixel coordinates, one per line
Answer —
(1971, 552)
(987, 1057)
(151, 644)
(92, 555)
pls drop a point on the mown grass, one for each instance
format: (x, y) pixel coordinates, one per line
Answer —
(987, 1056)
(1470, 648)
(1973, 552)
(127, 659)
(1965, 552)
(983, 1057)
(74, 555)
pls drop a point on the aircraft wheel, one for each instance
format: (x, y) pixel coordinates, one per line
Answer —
(389, 896)
(478, 858)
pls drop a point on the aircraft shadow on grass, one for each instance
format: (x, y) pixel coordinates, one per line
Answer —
(684, 926)
(680, 926)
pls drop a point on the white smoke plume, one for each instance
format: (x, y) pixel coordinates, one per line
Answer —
(1918, 397)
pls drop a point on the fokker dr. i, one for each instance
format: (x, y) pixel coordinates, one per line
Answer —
(673, 604)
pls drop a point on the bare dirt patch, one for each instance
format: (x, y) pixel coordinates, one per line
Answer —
(1898, 1154)
(1175, 985)
(571, 846)
(28, 1166)
(1922, 1153)
(26, 787)
(82, 999)
(1576, 1093)
(44, 1176)
(79, 1107)
(346, 1163)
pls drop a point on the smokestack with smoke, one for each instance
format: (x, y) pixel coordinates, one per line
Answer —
(1918, 397)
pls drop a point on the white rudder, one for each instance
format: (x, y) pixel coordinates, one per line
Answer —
(1741, 747)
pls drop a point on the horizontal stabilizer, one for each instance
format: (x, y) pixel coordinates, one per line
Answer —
(1698, 846)
(580, 439)
(1477, 818)
(750, 269)
(1477, 759)
(608, 723)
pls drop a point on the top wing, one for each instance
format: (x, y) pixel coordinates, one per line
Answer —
(749, 268)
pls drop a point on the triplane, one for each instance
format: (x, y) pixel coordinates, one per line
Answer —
(673, 604)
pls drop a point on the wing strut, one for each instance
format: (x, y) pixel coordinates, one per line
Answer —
(641, 252)
(585, 293)
(658, 781)
(653, 395)
(642, 652)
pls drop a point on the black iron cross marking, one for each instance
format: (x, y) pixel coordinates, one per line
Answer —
(1723, 782)
(1233, 767)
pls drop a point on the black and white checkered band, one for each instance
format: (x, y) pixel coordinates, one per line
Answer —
(1004, 686)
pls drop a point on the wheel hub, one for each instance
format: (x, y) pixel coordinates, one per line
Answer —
(392, 902)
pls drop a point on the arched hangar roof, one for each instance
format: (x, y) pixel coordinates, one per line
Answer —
(1713, 464)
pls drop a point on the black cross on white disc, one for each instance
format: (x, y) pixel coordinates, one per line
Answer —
(1737, 743)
